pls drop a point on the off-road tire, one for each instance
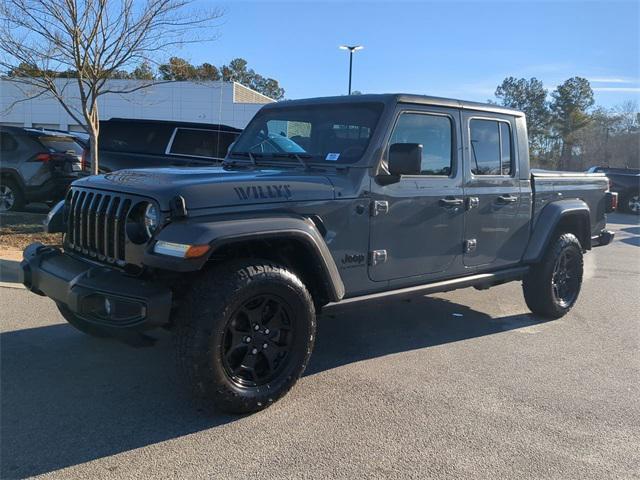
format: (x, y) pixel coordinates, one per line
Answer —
(15, 191)
(211, 308)
(538, 284)
(80, 324)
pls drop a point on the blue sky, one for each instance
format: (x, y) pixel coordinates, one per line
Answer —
(446, 48)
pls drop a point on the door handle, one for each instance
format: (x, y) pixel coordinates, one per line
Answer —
(505, 199)
(450, 202)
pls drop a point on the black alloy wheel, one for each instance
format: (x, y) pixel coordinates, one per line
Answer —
(565, 280)
(258, 340)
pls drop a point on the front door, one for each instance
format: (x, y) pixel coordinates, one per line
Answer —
(496, 221)
(417, 223)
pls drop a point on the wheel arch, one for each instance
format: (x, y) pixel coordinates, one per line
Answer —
(566, 216)
(12, 174)
(295, 242)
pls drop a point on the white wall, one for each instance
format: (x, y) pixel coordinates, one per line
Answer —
(204, 102)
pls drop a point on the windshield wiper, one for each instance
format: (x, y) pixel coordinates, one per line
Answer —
(297, 156)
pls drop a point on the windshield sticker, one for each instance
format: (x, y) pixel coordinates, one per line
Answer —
(332, 157)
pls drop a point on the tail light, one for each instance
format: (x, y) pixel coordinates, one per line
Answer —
(43, 157)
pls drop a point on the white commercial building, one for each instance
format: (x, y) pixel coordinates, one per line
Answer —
(227, 103)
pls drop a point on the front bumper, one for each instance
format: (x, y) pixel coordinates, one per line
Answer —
(97, 294)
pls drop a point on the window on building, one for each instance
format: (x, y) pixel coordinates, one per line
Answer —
(491, 147)
(434, 133)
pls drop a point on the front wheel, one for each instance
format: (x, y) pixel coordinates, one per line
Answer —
(244, 334)
(552, 286)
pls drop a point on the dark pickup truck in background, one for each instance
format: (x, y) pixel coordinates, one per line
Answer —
(320, 201)
(135, 143)
(626, 183)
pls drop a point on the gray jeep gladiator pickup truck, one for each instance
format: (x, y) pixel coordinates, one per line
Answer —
(318, 202)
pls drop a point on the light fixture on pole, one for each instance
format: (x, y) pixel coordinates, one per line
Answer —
(351, 48)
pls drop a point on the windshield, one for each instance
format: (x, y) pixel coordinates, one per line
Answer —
(330, 132)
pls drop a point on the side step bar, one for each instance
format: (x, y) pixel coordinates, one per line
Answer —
(481, 281)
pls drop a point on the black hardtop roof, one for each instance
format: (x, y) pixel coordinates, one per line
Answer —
(37, 132)
(143, 121)
(393, 98)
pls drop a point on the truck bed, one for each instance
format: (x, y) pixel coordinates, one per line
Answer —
(549, 186)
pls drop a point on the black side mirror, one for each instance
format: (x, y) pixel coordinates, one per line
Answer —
(405, 159)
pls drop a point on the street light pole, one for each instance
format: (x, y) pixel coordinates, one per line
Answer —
(351, 48)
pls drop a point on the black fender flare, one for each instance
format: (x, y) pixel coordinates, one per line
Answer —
(219, 232)
(548, 220)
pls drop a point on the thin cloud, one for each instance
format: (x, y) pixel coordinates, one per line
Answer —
(617, 89)
(611, 80)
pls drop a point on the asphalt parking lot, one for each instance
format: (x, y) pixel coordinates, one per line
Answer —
(465, 384)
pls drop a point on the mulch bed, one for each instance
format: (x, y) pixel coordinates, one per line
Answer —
(19, 229)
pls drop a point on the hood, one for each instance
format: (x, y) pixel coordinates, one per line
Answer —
(215, 186)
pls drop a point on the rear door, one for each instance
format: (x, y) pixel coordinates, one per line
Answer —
(417, 222)
(497, 217)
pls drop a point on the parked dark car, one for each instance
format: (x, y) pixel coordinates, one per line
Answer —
(135, 143)
(37, 165)
(319, 201)
(626, 182)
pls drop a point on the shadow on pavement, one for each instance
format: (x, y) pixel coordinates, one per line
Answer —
(68, 399)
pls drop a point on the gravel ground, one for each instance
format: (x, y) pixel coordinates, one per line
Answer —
(465, 384)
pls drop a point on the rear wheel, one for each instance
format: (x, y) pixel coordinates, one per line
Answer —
(552, 286)
(80, 324)
(11, 197)
(631, 203)
(244, 335)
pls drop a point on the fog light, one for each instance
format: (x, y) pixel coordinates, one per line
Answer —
(107, 306)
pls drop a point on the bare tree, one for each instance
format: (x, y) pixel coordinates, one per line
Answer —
(49, 45)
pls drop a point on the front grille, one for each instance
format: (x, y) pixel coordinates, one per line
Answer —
(96, 224)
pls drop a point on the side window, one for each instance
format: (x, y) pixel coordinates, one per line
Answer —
(490, 147)
(201, 143)
(7, 143)
(134, 137)
(434, 133)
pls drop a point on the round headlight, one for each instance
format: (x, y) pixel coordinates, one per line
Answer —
(150, 219)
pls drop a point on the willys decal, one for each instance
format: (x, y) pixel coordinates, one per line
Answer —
(258, 192)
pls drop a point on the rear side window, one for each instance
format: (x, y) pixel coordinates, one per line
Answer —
(61, 145)
(433, 132)
(7, 143)
(134, 137)
(201, 143)
(491, 147)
